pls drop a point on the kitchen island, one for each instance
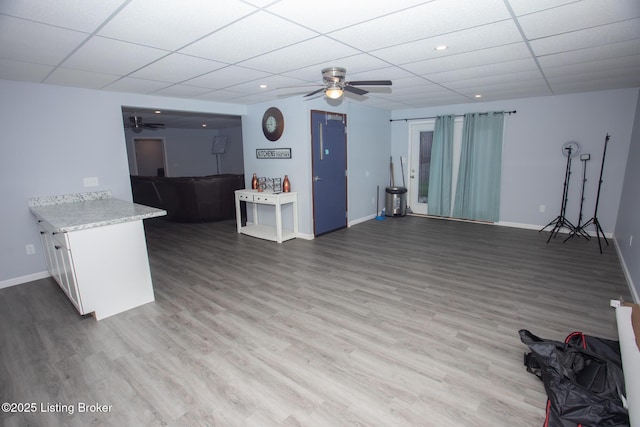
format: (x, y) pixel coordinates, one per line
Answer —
(95, 248)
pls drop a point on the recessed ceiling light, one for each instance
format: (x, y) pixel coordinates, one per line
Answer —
(442, 47)
(263, 86)
(157, 112)
(477, 96)
(204, 125)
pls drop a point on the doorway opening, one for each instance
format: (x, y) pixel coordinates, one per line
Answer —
(150, 156)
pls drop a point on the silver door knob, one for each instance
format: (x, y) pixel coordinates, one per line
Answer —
(316, 179)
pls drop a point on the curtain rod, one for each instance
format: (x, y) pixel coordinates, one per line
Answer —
(456, 115)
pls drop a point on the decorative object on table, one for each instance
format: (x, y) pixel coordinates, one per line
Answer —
(286, 184)
(262, 183)
(272, 124)
(276, 185)
(254, 182)
(273, 153)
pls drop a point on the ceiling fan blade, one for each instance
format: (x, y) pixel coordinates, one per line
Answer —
(314, 92)
(370, 83)
(355, 90)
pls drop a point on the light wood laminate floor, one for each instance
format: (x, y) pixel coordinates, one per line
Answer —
(404, 322)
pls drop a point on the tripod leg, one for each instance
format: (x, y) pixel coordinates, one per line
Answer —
(598, 232)
(552, 222)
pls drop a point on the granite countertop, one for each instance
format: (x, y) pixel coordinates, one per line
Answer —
(73, 212)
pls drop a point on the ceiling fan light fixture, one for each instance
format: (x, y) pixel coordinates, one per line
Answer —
(334, 92)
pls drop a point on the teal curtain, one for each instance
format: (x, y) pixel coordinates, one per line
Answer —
(478, 187)
(439, 201)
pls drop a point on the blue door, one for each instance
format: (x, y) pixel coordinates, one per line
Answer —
(329, 167)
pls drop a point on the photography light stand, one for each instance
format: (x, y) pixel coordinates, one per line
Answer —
(594, 220)
(569, 149)
(579, 230)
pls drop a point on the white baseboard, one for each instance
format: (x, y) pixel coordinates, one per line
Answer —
(360, 220)
(24, 279)
(305, 236)
(539, 227)
(627, 275)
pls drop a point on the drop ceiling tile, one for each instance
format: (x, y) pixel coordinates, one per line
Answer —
(324, 19)
(315, 51)
(482, 37)
(502, 68)
(28, 41)
(249, 37)
(273, 83)
(353, 64)
(577, 16)
(112, 56)
(172, 25)
(176, 68)
(523, 7)
(593, 84)
(386, 73)
(23, 71)
(85, 79)
(596, 36)
(427, 20)
(220, 95)
(454, 63)
(598, 53)
(627, 65)
(182, 91)
(225, 77)
(511, 80)
(133, 85)
(615, 73)
(77, 15)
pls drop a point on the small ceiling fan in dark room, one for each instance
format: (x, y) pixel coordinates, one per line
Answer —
(136, 125)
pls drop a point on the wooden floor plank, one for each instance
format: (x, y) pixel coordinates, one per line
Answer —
(405, 322)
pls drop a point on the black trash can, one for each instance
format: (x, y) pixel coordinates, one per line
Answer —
(395, 203)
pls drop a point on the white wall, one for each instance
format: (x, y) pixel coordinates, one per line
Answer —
(533, 166)
(627, 232)
(188, 151)
(53, 137)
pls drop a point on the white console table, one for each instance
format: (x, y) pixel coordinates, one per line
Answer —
(255, 229)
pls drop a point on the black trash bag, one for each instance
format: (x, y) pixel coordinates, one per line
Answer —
(583, 379)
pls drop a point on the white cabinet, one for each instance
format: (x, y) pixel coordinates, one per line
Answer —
(60, 263)
(276, 233)
(102, 270)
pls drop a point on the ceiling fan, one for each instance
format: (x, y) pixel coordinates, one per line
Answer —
(335, 85)
(136, 124)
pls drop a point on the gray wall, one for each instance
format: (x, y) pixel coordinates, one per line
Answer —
(368, 148)
(188, 151)
(53, 137)
(628, 225)
(533, 165)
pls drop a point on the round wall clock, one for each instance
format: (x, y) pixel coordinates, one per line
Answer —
(272, 124)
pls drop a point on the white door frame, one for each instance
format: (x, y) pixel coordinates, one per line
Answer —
(414, 152)
(414, 140)
(162, 146)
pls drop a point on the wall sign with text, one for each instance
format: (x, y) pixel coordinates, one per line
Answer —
(273, 153)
